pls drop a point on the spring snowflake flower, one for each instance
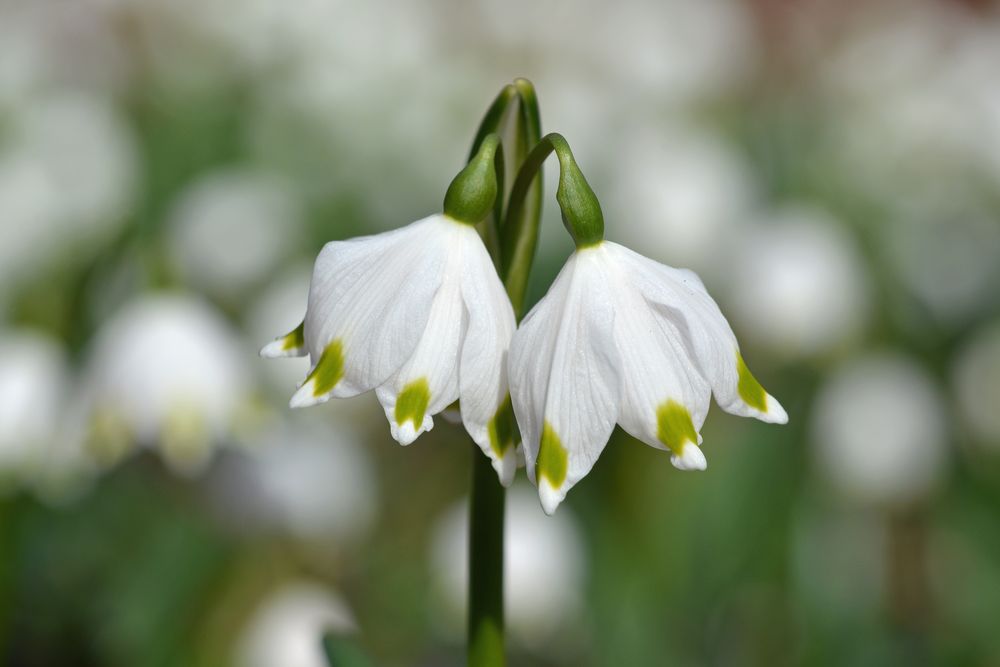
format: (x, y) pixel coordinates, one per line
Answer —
(165, 371)
(419, 315)
(621, 338)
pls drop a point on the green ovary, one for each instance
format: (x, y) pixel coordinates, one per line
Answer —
(502, 429)
(412, 403)
(674, 426)
(329, 370)
(552, 457)
(749, 389)
(294, 339)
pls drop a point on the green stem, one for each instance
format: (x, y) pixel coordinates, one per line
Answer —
(519, 231)
(486, 507)
(486, 520)
(581, 213)
(492, 121)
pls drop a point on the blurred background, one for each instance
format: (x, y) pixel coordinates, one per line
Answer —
(170, 168)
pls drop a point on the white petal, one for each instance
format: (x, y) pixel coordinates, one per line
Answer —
(369, 303)
(665, 399)
(682, 302)
(690, 458)
(485, 409)
(564, 382)
(428, 382)
(289, 345)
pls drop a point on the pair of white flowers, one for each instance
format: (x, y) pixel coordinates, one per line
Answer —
(419, 315)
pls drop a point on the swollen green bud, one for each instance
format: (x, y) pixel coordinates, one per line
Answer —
(471, 196)
(581, 212)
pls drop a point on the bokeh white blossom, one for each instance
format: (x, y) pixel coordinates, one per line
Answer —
(303, 478)
(287, 626)
(166, 372)
(34, 388)
(257, 210)
(798, 284)
(975, 377)
(880, 430)
(544, 569)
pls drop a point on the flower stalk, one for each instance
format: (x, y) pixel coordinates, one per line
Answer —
(518, 234)
(581, 213)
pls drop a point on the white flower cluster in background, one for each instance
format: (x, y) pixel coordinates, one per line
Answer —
(976, 384)
(302, 478)
(230, 229)
(544, 569)
(67, 179)
(946, 254)
(287, 626)
(34, 390)
(881, 431)
(40, 419)
(798, 284)
(166, 371)
(682, 196)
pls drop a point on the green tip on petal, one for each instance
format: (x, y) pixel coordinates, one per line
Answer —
(329, 370)
(674, 426)
(749, 389)
(294, 339)
(412, 403)
(552, 457)
(503, 434)
(292, 344)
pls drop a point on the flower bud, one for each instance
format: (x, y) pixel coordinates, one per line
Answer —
(581, 212)
(471, 196)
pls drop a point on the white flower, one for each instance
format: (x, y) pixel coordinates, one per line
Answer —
(541, 594)
(41, 437)
(975, 375)
(420, 315)
(621, 338)
(946, 253)
(34, 377)
(67, 177)
(288, 626)
(166, 371)
(881, 431)
(310, 480)
(682, 193)
(799, 285)
(235, 203)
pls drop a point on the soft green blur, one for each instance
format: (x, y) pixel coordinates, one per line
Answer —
(169, 171)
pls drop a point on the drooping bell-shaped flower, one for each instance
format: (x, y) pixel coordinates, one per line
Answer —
(419, 315)
(620, 338)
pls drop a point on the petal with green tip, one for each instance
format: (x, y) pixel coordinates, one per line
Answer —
(292, 344)
(374, 294)
(323, 378)
(682, 302)
(486, 410)
(564, 375)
